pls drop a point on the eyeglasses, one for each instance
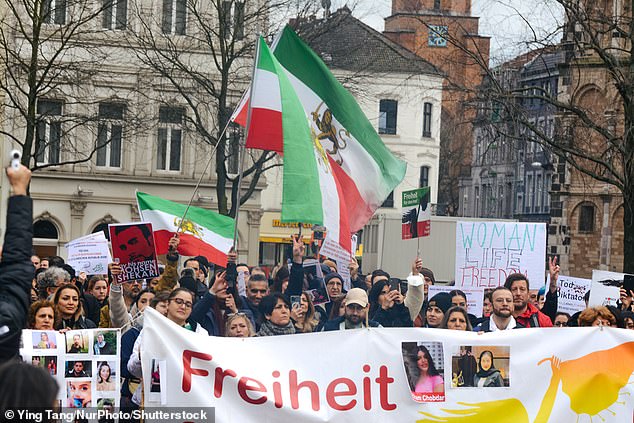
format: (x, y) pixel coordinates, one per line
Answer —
(561, 324)
(258, 291)
(180, 302)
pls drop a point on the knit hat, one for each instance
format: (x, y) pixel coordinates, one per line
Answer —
(442, 300)
(332, 275)
(429, 274)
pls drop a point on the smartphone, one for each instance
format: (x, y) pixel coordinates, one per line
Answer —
(296, 301)
(628, 284)
(395, 284)
(115, 260)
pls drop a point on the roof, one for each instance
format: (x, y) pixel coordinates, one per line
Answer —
(344, 42)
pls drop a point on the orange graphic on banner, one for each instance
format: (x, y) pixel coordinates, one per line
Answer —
(592, 382)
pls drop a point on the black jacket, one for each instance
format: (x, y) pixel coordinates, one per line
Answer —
(16, 273)
(485, 326)
(396, 317)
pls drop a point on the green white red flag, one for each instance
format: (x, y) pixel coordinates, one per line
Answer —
(203, 232)
(337, 171)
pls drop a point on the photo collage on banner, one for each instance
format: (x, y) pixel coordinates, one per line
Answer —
(84, 362)
(471, 366)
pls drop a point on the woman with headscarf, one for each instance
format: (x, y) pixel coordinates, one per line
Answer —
(487, 375)
(387, 307)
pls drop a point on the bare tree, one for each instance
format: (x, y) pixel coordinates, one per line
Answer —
(595, 104)
(49, 51)
(208, 64)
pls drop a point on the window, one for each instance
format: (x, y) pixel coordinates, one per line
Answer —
(115, 14)
(539, 193)
(586, 218)
(109, 134)
(389, 201)
(387, 116)
(427, 120)
(233, 23)
(530, 193)
(44, 229)
(232, 148)
(170, 132)
(423, 180)
(436, 4)
(54, 11)
(48, 131)
(476, 204)
(174, 16)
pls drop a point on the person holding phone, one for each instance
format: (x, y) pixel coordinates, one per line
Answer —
(386, 304)
(303, 314)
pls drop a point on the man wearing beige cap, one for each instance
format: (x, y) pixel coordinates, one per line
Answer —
(356, 315)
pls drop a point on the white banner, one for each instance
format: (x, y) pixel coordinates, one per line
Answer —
(84, 362)
(487, 252)
(475, 297)
(570, 293)
(394, 374)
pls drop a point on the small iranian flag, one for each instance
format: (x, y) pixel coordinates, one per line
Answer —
(203, 232)
(337, 171)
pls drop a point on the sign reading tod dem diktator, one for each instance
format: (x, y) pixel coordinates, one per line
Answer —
(416, 213)
(133, 246)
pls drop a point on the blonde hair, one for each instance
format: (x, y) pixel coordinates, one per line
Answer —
(235, 316)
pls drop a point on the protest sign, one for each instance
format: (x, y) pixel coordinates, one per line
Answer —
(133, 246)
(487, 252)
(475, 297)
(85, 363)
(416, 221)
(570, 293)
(315, 277)
(557, 375)
(89, 254)
(606, 288)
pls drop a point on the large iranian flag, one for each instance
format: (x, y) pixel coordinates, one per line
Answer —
(337, 171)
(203, 232)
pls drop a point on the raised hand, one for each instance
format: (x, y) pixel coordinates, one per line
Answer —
(299, 249)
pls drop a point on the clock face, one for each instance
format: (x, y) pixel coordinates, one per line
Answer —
(437, 34)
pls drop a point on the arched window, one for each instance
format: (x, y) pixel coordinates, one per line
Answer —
(104, 228)
(44, 229)
(586, 218)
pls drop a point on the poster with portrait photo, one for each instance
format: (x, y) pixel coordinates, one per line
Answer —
(77, 341)
(424, 368)
(105, 376)
(105, 342)
(133, 246)
(481, 366)
(78, 393)
(44, 339)
(78, 368)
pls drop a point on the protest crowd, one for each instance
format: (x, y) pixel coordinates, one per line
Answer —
(239, 300)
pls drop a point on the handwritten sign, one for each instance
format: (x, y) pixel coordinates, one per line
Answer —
(570, 293)
(475, 297)
(487, 252)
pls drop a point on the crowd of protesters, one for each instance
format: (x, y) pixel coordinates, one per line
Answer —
(239, 301)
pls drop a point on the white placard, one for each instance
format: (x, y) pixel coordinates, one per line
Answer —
(475, 297)
(606, 288)
(570, 292)
(487, 252)
(89, 254)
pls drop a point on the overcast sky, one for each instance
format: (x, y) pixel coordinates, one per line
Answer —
(503, 20)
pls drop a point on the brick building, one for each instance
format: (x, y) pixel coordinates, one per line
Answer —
(587, 229)
(439, 31)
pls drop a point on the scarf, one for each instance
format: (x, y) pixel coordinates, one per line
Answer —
(486, 373)
(269, 329)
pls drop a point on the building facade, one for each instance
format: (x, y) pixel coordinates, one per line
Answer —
(108, 123)
(446, 34)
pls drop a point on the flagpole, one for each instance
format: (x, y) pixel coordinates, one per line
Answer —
(243, 146)
(222, 134)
